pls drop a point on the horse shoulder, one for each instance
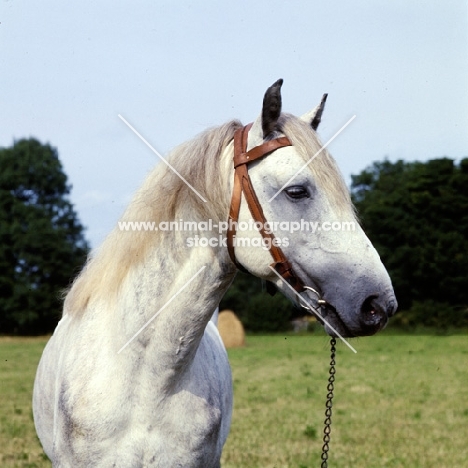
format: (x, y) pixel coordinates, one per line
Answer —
(88, 396)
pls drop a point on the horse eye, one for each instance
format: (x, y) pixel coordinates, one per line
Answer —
(297, 192)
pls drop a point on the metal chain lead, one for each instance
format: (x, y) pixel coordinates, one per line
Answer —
(328, 406)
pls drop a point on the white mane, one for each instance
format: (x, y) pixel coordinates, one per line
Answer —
(162, 197)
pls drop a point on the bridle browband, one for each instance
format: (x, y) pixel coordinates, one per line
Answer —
(243, 184)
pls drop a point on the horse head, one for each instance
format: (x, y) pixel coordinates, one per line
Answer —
(307, 208)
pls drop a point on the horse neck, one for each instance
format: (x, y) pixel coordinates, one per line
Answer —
(173, 295)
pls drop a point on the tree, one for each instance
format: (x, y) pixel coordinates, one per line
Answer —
(41, 239)
(416, 215)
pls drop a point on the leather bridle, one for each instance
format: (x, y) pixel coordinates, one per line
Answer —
(243, 184)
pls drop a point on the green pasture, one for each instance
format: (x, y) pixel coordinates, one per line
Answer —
(401, 401)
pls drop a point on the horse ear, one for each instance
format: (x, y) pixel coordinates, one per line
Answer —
(315, 115)
(271, 108)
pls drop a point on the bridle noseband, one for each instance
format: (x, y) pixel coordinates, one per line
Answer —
(243, 184)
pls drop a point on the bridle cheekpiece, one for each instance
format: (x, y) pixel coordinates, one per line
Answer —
(243, 184)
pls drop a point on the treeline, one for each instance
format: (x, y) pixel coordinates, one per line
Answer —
(415, 213)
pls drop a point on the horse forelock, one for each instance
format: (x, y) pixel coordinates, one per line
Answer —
(163, 197)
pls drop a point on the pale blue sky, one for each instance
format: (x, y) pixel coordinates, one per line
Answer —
(174, 68)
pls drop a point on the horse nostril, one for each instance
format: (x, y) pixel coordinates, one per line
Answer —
(370, 306)
(373, 316)
(375, 312)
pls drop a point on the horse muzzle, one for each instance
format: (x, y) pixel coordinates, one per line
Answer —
(371, 317)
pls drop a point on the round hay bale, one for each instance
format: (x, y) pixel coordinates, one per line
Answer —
(231, 329)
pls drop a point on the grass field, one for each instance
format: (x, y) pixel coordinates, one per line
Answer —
(401, 401)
